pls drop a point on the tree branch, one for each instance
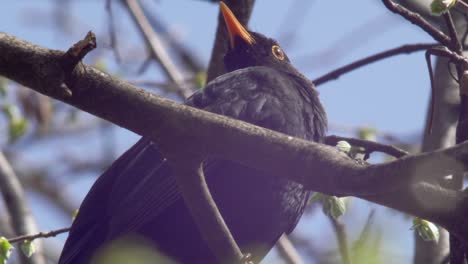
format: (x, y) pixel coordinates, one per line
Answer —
(287, 251)
(370, 146)
(319, 167)
(194, 189)
(20, 213)
(418, 20)
(342, 238)
(242, 9)
(405, 49)
(155, 45)
(32, 237)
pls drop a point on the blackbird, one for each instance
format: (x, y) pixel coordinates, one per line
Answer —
(138, 195)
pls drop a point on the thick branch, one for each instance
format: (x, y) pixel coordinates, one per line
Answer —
(318, 167)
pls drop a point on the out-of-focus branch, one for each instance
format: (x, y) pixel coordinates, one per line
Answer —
(342, 239)
(242, 9)
(157, 48)
(112, 33)
(442, 136)
(287, 251)
(20, 213)
(185, 54)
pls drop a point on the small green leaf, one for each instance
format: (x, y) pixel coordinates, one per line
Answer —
(5, 250)
(17, 125)
(11, 111)
(333, 206)
(17, 128)
(343, 146)
(426, 230)
(28, 248)
(3, 87)
(367, 133)
(200, 79)
(316, 197)
(75, 213)
(438, 7)
(100, 64)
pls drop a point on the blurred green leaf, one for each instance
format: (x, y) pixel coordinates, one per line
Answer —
(200, 79)
(438, 7)
(101, 65)
(28, 248)
(5, 250)
(427, 230)
(3, 86)
(134, 250)
(333, 206)
(17, 128)
(343, 146)
(10, 111)
(17, 125)
(367, 133)
(316, 197)
(75, 213)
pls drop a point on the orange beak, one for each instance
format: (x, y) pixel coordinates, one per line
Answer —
(234, 27)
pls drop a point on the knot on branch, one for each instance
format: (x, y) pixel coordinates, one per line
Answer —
(78, 51)
(73, 56)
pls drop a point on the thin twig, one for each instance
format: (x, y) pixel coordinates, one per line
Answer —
(287, 251)
(365, 232)
(39, 235)
(342, 239)
(465, 5)
(157, 48)
(405, 49)
(455, 42)
(369, 146)
(112, 31)
(418, 20)
(432, 100)
(186, 55)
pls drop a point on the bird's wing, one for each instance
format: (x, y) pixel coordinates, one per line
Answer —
(109, 193)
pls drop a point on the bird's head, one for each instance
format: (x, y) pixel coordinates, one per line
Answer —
(247, 49)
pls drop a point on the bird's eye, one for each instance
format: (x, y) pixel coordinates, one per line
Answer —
(277, 52)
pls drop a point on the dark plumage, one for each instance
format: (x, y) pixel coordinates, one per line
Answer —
(138, 194)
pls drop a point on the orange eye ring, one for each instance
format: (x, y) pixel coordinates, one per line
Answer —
(277, 52)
